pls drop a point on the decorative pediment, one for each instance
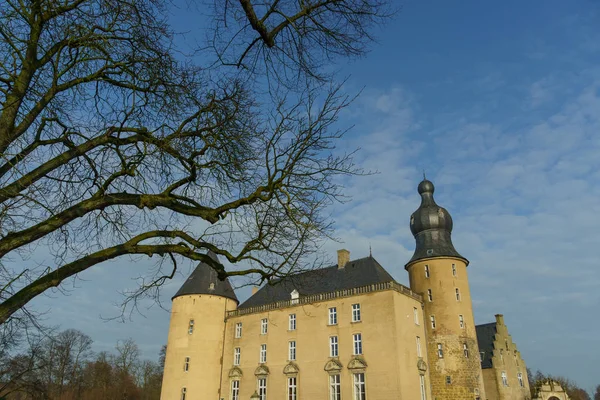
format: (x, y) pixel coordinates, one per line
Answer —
(333, 366)
(421, 366)
(261, 370)
(235, 372)
(357, 363)
(291, 369)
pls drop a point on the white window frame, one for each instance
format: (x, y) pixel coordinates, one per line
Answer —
(454, 273)
(419, 354)
(357, 346)
(238, 330)
(235, 389)
(263, 353)
(427, 273)
(292, 322)
(292, 384)
(465, 350)
(356, 312)
(457, 292)
(262, 388)
(520, 378)
(416, 315)
(264, 326)
(333, 346)
(429, 295)
(183, 393)
(332, 316)
(504, 378)
(335, 387)
(432, 319)
(237, 356)
(461, 321)
(186, 364)
(481, 355)
(360, 386)
(448, 380)
(422, 387)
(292, 350)
(191, 327)
(440, 350)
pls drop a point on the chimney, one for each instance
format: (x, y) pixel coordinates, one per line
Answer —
(254, 290)
(499, 319)
(343, 258)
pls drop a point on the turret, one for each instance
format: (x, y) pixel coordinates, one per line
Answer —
(196, 334)
(439, 273)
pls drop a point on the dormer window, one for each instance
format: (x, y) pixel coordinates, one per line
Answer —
(295, 296)
(211, 286)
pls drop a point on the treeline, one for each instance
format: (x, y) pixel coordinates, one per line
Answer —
(575, 392)
(62, 366)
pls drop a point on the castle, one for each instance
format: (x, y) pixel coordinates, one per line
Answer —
(349, 331)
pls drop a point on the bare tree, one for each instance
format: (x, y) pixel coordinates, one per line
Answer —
(112, 145)
(597, 393)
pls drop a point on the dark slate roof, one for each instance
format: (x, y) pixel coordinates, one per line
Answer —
(485, 341)
(199, 282)
(361, 272)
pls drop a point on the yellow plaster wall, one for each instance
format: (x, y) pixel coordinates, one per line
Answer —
(389, 347)
(465, 372)
(204, 347)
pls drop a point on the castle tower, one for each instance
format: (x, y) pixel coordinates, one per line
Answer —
(439, 273)
(196, 332)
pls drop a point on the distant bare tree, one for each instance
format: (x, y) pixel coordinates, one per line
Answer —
(113, 145)
(597, 393)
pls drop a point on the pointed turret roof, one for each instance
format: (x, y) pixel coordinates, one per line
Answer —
(204, 280)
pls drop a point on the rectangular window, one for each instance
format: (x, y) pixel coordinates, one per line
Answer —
(292, 322)
(432, 318)
(237, 355)
(262, 388)
(461, 321)
(453, 269)
(292, 388)
(516, 359)
(418, 346)
(448, 380)
(466, 350)
(238, 330)
(360, 390)
(426, 271)
(457, 294)
(292, 352)
(333, 346)
(355, 312)
(335, 392)
(191, 327)
(263, 353)
(332, 316)
(264, 326)
(235, 390)
(357, 338)
(520, 378)
(186, 364)
(429, 295)
(502, 355)
(422, 386)
(416, 315)
(440, 350)
(504, 379)
(183, 393)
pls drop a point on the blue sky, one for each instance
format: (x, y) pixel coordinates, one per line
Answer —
(499, 102)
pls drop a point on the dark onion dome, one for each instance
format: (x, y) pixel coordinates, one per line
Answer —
(204, 280)
(431, 225)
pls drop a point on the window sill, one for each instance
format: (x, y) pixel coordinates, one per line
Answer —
(356, 322)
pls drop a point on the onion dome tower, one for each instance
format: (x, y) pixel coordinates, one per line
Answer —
(439, 273)
(196, 335)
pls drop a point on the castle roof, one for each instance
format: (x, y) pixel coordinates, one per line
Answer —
(204, 280)
(357, 273)
(431, 226)
(485, 341)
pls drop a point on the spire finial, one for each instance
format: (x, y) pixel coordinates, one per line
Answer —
(370, 251)
(424, 177)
